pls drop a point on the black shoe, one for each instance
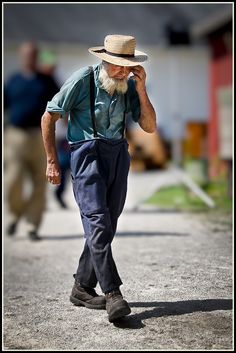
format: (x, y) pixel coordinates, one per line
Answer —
(33, 235)
(87, 297)
(11, 229)
(116, 306)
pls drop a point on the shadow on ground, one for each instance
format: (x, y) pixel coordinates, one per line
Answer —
(160, 309)
(118, 234)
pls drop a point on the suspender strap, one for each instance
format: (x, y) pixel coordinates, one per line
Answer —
(124, 116)
(92, 100)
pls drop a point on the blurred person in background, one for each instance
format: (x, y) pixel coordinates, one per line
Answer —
(97, 99)
(48, 65)
(26, 93)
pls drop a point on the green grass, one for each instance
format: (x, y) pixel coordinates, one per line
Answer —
(181, 198)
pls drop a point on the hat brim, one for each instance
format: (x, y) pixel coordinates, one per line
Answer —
(139, 57)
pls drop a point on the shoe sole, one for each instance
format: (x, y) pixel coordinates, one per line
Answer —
(119, 313)
(78, 302)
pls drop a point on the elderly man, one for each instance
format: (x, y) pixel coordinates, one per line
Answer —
(97, 99)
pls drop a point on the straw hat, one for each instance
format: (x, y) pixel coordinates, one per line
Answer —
(119, 50)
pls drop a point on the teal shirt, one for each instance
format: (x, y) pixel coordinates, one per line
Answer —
(74, 98)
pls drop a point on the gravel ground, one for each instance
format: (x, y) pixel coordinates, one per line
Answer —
(177, 277)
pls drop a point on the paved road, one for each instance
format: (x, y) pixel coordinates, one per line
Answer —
(177, 275)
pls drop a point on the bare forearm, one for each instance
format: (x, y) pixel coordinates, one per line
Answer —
(147, 119)
(48, 133)
(53, 173)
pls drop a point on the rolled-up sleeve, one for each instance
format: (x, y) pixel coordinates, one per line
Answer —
(65, 99)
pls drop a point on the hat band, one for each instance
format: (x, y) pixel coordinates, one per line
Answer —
(114, 54)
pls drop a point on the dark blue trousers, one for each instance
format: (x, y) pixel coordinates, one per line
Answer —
(99, 170)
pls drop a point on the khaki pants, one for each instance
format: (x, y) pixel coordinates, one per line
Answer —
(25, 160)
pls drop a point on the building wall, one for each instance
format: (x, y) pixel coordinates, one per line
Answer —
(179, 87)
(220, 88)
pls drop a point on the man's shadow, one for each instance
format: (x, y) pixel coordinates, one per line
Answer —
(159, 309)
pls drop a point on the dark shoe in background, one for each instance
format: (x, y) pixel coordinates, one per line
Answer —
(33, 235)
(116, 306)
(11, 229)
(32, 231)
(87, 297)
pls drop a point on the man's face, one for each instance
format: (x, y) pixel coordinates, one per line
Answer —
(28, 56)
(114, 77)
(118, 72)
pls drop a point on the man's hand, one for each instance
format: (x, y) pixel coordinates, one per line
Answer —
(53, 173)
(139, 77)
(147, 119)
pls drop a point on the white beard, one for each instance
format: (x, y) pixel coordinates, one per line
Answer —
(111, 84)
